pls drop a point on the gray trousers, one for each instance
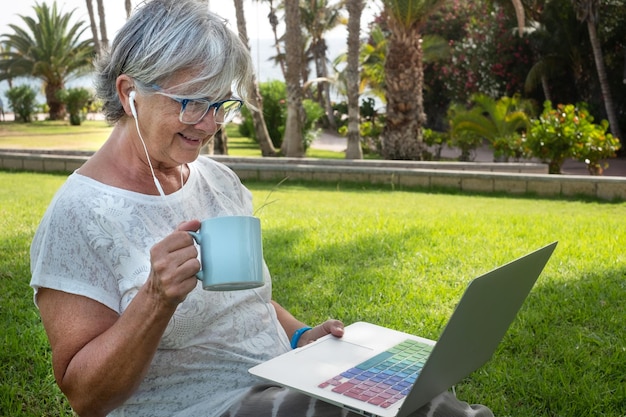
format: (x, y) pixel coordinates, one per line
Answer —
(273, 401)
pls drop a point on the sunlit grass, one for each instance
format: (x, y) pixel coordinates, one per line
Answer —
(402, 259)
(399, 259)
(54, 135)
(90, 136)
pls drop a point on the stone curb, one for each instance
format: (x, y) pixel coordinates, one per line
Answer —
(505, 178)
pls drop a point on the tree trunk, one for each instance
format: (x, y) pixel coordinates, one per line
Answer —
(129, 8)
(220, 142)
(328, 106)
(317, 48)
(587, 11)
(323, 83)
(554, 166)
(355, 8)
(56, 107)
(258, 121)
(94, 27)
(208, 148)
(293, 142)
(546, 87)
(520, 15)
(104, 40)
(273, 19)
(624, 76)
(402, 136)
(604, 82)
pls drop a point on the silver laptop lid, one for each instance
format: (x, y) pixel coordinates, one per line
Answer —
(478, 324)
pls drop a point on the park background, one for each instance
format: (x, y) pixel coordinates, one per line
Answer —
(398, 258)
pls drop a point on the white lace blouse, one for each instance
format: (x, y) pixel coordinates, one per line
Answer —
(94, 241)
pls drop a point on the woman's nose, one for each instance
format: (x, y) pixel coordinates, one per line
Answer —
(208, 123)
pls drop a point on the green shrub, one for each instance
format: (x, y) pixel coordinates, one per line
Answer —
(370, 132)
(569, 132)
(511, 146)
(436, 141)
(77, 101)
(340, 111)
(274, 94)
(22, 102)
(371, 124)
(598, 145)
(467, 140)
(314, 112)
(502, 123)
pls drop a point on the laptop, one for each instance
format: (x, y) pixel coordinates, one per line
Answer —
(376, 371)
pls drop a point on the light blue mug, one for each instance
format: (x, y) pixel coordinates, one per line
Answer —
(231, 253)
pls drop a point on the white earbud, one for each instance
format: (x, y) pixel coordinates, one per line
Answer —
(131, 98)
(133, 110)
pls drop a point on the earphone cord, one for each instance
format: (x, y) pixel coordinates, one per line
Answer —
(156, 180)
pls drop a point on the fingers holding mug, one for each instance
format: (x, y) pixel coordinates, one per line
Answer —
(174, 263)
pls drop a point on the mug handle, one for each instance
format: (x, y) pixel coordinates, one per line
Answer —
(197, 237)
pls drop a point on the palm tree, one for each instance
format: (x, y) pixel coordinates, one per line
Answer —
(104, 40)
(101, 41)
(93, 26)
(540, 73)
(52, 52)
(372, 58)
(318, 17)
(272, 16)
(293, 143)
(262, 135)
(520, 15)
(404, 78)
(4, 54)
(587, 12)
(560, 50)
(355, 8)
(502, 122)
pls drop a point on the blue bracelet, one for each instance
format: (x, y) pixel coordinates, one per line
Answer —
(296, 336)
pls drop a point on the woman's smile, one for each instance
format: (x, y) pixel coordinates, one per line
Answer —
(190, 139)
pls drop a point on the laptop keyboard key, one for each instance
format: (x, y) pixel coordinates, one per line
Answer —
(385, 378)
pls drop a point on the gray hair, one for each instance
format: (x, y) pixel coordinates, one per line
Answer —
(166, 37)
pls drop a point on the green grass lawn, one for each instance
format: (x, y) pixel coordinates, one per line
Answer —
(90, 135)
(54, 135)
(400, 259)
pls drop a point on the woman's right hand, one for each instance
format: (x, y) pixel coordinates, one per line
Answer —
(174, 264)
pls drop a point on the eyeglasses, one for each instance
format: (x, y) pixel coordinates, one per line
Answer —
(192, 111)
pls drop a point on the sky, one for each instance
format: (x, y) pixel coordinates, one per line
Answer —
(259, 30)
(116, 14)
(256, 14)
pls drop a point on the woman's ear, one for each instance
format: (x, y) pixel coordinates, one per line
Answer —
(125, 90)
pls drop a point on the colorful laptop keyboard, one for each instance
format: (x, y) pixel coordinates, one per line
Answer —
(384, 379)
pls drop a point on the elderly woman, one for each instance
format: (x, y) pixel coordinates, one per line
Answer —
(113, 265)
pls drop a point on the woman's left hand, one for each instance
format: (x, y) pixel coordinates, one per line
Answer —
(334, 327)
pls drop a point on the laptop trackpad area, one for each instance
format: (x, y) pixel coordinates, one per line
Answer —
(340, 352)
(328, 356)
